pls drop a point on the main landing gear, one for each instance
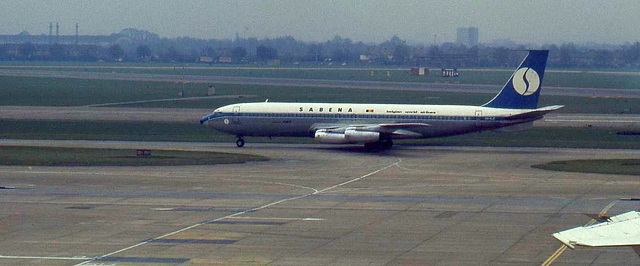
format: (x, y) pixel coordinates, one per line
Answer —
(383, 145)
(240, 142)
(386, 144)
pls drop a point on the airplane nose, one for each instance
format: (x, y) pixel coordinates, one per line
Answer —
(210, 121)
(204, 119)
(207, 119)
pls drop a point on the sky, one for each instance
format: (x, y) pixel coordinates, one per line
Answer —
(523, 21)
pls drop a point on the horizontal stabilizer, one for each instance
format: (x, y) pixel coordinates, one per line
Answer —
(619, 230)
(537, 112)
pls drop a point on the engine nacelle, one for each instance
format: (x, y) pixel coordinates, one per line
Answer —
(350, 135)
(361, 136)
(323, 136)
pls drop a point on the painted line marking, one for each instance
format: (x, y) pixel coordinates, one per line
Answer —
(280, 218)
(162, 209)
(248, 222)
(267, 182)
(197, 241)
(561, 249)
(144, 260)
(294, 185)
(356, 179)
(554, 256)
(197, 209)
(44, 257)
(99, 258)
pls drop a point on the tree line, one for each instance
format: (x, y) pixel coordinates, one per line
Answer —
(142, 46)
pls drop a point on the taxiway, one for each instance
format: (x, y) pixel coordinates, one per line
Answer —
(312, 83)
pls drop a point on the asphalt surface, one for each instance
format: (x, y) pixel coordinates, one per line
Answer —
(318, 83)
(309, 205)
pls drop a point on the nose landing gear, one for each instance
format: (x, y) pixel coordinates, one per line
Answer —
(240, 142)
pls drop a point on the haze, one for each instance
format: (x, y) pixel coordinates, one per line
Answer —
(538, 22)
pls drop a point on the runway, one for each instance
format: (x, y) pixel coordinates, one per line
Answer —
(183, 115)
(317, 83)
(309, 205)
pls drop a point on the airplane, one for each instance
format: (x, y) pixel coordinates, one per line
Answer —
(619, 230)
(514, 108)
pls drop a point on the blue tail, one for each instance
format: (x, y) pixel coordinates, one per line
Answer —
(523, 88)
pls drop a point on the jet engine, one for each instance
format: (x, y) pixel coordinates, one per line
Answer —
(350, 135)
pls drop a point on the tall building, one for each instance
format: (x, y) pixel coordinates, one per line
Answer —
(467, 36)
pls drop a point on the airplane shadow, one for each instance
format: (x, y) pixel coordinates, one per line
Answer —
(397, 151)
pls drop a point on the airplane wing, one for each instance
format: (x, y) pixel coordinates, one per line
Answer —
(619, 230)
(402, 130)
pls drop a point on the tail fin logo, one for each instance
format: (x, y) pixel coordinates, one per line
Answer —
(526, 81)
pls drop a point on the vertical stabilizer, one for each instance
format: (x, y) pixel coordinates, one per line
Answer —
(523, 88)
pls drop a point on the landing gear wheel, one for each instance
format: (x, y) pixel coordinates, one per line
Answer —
(240, 143)
(371, 146)
(387, 144)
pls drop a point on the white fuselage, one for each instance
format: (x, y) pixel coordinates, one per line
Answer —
(303, 119)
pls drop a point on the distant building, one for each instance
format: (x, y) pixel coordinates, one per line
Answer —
(365, 59)
(225, 60)
(467, 36)
(206, 59)
(23, 37)
(125, 37)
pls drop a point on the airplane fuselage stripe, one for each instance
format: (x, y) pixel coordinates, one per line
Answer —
(356, 116)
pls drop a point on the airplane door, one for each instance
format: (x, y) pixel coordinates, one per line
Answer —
(235, 118)
(478, 117)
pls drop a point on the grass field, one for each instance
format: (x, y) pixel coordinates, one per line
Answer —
(46, 156)
(613, 166)
(537, 137)
(77, 92)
